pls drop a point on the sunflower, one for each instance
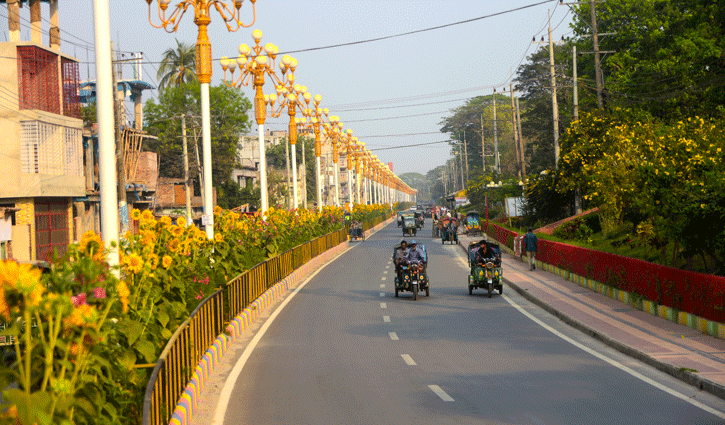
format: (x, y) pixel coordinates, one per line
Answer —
(165, 220)
(153, 261)
(166, 261)
(133, 262)
(173, 245)
(218, 210)
(218, 237)
(147, 215)
(181, 222)
(135, 214)
(177, 231)
(123, 294)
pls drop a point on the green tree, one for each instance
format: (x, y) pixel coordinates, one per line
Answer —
(229, 120)
(178, 66)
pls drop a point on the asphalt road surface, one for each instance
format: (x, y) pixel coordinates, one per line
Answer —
(344, 350)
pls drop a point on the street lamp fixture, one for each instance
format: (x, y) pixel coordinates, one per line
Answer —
(232, 19)
(259, 62)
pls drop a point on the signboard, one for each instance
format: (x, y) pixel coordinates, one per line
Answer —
(207, 220)
(6, 229)
(461, 201)
(514, 207)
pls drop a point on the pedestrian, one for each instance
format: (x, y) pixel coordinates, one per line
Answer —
(530, 241)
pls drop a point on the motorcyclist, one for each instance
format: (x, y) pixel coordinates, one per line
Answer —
(416, 255)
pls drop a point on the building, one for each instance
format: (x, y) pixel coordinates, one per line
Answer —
(41, 140)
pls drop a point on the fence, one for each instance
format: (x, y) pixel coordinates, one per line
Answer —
(186, 347)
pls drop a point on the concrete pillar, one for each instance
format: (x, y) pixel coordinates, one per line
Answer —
(138, 110)
(36, 33)
(54, 28)
(14, 20)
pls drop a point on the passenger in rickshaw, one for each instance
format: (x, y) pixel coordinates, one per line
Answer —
(415, 255)
(400, 259)
(356, 229)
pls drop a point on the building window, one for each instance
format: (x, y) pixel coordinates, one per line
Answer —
(50, 149)
(71, 88)
(51, 229)
(38, 79)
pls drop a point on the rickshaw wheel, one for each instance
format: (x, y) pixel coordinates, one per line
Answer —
(470, 290)
(490, 290)
(415, 292)
(427, 292)
(396, 292)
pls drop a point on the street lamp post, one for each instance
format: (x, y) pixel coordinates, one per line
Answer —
(203, 70)
(333, 130)
(315, 116)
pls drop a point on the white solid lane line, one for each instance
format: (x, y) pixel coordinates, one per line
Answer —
(386, 319)
(615, 363)
(382, 294)
(408, 360)
(383, 305)
(393, 336)
(440, 393)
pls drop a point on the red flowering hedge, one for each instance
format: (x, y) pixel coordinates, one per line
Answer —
(697, 293)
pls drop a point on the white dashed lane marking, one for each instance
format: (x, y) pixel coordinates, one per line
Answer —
(383, 278)
(385, 272)
(440, 393)
(393, 336)
(408, 360)
(382, 285)
(386, 319)
(383, 305)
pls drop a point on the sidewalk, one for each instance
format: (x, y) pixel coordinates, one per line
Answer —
(678, 350)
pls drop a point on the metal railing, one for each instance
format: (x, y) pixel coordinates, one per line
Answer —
(187, 346)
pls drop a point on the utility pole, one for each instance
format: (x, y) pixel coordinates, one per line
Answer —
(521, 141)
(576, 88)
(120, 155)
(465, 148)
(460, 156)
(286, 158)
(554, 103)
(496, 160)
(513, 127)
(198, 166)
(483, 146)
(304, 178)
(597, 57)
(187, 181)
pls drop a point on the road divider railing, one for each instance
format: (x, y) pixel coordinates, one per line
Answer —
(201, 333)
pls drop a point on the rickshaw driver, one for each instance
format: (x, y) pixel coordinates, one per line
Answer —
(400, 258)
(484, 255)
(414, 255)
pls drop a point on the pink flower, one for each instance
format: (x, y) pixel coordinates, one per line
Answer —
(79, 299)
(198, 297)
(99, 293)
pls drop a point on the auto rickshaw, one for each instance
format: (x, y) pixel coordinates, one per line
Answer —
(487, 275)
(419, 219)
(473, 223)
(449, 229)
(414, 277)
(409, 226)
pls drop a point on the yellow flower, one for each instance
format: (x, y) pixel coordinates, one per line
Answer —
(218, 237)
(217, 210)
(153, 261)
(166, 261)
(177, 231)
(147, 215)
(133, 262)
(174, 245)
(22, 277)
(165, 220)
(123, 294)
(135, 214)
(181, 222)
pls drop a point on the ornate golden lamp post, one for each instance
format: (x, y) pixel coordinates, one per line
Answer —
(315, 117)
(258, 62)
(347, 142)
(333, 131)
(232, 18)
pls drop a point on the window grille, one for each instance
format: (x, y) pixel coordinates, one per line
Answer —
(38, 79)
(71, 88)
(50, 149)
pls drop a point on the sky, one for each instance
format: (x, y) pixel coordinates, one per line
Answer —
(392, 92)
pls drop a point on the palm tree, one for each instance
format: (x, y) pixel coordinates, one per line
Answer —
(178, 66)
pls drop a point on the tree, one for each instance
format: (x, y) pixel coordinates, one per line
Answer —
(178, 66)
(229, 121)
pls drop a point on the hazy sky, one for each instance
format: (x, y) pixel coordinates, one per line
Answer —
(388, 92)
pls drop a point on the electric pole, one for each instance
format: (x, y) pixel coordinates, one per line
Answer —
(187, 180)
(554, 102)
(513, 128)
(483, 146)
(465, 148)
(576, 87)
(496, 161)
(521, 141)
(120, 154)
(597, 57)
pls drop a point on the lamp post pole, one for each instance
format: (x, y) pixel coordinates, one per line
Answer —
(204, 71)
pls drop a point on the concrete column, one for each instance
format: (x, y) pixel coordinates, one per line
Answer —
(54, 28)
(138, 110)
(36, 34)
(14, 20)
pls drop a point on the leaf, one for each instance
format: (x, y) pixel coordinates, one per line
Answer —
(166, 334)
(132, 331)
(147, 349)
(128, 359)
(163, 317)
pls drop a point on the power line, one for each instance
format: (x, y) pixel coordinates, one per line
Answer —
(408, 146)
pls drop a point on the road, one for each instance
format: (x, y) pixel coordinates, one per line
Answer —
(344, 350)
